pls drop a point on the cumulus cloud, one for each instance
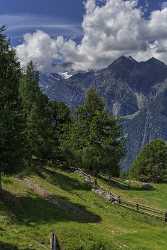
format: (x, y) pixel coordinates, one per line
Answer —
(113, 29)
(40, 48)
(90, 6)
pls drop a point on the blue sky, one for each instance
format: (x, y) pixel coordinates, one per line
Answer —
(53, 16)
(59, 9)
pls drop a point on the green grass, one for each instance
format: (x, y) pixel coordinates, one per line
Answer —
(155, 198)
(81, 219)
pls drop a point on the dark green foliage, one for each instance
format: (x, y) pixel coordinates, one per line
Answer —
(37, 116)
(95, 137)
(46, 121)
(7, 246)
(34, 128)
(151, 163)
(11, 123)
(93, 102)
(60, 118)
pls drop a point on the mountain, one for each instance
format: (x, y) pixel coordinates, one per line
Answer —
(135, 91)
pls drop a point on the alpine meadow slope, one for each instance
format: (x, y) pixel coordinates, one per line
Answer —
(27, 217)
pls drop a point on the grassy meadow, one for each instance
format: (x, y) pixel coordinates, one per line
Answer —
(81, 219)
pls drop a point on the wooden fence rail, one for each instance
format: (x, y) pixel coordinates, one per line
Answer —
(115, 199)
(140, 208)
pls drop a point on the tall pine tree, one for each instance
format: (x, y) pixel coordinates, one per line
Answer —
(11, 134)
(60, 121)
(37, 116)
(96, 137)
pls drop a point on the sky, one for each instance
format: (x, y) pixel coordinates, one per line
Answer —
(88, 34)
(58, 10)
(53, 16)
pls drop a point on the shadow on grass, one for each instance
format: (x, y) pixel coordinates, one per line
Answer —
(34, 209)
(7, 246)
(63, 181)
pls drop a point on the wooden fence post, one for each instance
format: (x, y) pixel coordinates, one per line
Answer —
(137, 207)
(53, 242)
(166, 217)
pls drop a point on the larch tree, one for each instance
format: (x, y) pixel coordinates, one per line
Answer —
(96, 137)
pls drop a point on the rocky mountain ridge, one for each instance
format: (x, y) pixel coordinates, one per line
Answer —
(135, 91)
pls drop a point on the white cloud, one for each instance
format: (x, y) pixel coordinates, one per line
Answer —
(40, 48)
(116, 28)
(90, 6)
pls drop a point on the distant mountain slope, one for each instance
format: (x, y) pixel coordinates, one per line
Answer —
(136, 91)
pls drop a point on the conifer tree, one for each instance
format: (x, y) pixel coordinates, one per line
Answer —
(60, 121)
(151, 162)
(96, 137)
(37, 116)
(11, 134)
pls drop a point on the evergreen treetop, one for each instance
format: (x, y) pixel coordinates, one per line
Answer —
(151, 163)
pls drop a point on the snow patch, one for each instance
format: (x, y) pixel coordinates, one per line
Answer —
(65, 75)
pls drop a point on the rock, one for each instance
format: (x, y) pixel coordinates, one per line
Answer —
(147, 186)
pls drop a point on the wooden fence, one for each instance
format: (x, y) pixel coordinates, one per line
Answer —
(115, 199)
(137, 207)
(140, 208)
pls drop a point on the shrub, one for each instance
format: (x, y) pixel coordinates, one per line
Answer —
(151, 163)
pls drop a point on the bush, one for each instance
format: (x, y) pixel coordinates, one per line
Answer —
(151, 163)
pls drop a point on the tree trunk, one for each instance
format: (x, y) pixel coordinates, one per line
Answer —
(95, 174)
(95, 181)
(0, 182)
(109, 178)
